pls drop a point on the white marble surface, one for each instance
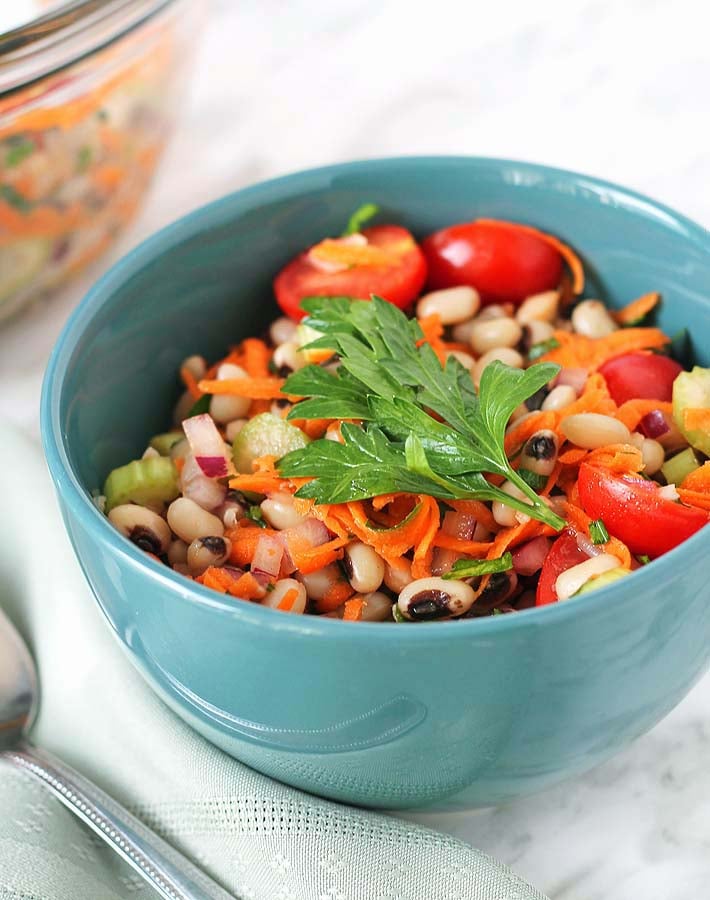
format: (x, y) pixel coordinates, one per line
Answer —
(613, 89)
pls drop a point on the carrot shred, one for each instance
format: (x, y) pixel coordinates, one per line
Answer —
(573, 261)
(248, 588)
(698, 480)
(311, 559)
(261, 388)
(638, 309)
(259, 483)
(190, 382)
(576, 351)
(572, 457)
(244, 540)
(179, 464)
(478, 510)
(424, 549)
(695, 498)
(461, 545)
(256, 357)
(353, 610)
(520, 432)
(433, 330)
(617, 458)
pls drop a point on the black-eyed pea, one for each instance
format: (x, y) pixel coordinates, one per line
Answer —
(190, 521)
(398, 575)
(376, 607)
(538, 308)
(591, 319)
(282, 330)
(492, 334)
(280, 512)
(435, 598)
(571, 580)
(507, 515)
(207, 551)
(452, 305)
(144, 527)
(364, 567)
(177, 553)
(593, 430)
(559, 397)
(227, 407)
(506, 355)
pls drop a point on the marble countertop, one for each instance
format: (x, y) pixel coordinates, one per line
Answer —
(611, 89)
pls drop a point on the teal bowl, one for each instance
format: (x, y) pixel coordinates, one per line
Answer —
(467, 713)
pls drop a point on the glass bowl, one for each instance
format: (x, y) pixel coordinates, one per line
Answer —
(89, 93)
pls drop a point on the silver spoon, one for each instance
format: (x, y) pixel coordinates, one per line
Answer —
(172, 875)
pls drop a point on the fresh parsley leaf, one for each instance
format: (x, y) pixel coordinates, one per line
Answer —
(598, 532)
(18, 149)
(543, 347)
(537, 482)
(199, 406)
(256, 515)
(14, 198)
(472, 568)
(361, 215)
(426, 429)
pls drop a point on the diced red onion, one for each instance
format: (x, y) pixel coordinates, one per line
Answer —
(268, 554)
(194, 484)
(575, 378)
(653, 424)
(443, 560)
(529, 557)
(586, 545)
(207, 446)
(310, 532)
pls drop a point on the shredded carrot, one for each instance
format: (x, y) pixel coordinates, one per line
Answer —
(334, 597)
(695, 498)
(480, 512)
(265, 388)
(311, 559)
(637, 310)
(617, 458)
(698, 480)
(576, 351)
(288, 599)
(572, 457)
(190, 382)
(244, 540)
(353, 610)
(256, 357)
(432, 330)
(259, 483)
(631, 412)
(424, 549)
(696, 419)
(461, 545)
(179, 463)
(574, 263)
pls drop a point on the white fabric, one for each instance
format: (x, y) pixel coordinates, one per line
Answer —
(259, 838)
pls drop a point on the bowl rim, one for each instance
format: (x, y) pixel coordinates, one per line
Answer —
(76, 496)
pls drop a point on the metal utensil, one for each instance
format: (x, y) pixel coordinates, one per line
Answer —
(172, 875)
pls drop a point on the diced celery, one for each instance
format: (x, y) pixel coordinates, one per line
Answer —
(677, 467)
(691, 390)
(164, 442)
(265, 435)
(603, 580)
(147, 482)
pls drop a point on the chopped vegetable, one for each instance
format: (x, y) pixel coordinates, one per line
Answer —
(265, 435)
(149, 482)
(691, 393)
(598, 532)
(472, 568)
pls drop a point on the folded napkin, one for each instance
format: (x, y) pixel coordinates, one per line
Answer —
(260, 839)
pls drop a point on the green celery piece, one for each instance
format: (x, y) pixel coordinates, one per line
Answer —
(691, 390)
(163, 443)
(601, 581)
(266, 434)
(147, 482)
(678, 467)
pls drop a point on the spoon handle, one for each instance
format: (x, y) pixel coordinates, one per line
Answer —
(172, 875)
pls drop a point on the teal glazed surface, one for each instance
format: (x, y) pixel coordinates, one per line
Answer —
(460, 713)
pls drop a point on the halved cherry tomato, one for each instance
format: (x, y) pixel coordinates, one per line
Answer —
(640, 376)
(563, 554)
(504, 263)
(390, 265)
(632, 511)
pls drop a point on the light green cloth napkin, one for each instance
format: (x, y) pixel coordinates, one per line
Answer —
(259, 838)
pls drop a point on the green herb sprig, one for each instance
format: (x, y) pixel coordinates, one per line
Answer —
(425, 429)
(472, 568)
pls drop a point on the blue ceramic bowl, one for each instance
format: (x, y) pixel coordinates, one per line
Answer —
(474, 712)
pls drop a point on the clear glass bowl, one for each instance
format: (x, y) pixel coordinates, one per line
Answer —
(88, 97)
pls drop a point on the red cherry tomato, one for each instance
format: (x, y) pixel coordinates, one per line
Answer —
(563, 554)
(398, 279)
(633, 512)
(640, 376)
(505, 264)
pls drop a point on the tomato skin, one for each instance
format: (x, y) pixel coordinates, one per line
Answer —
(633, 512)
(503, 263)
(640, 376)
(563, 554)
(400, 282)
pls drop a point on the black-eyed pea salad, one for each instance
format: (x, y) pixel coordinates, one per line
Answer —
(427, 434)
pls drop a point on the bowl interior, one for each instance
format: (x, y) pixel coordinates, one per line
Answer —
(205, 282)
